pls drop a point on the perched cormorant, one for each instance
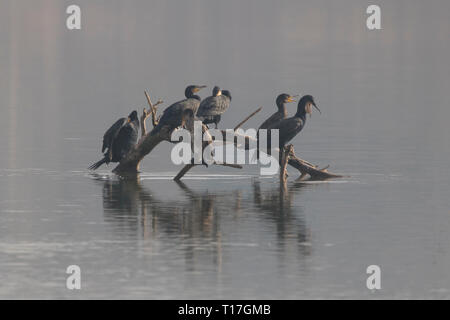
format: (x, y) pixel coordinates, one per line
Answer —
(216, 91)
(275, 118)
(172, 116)
(281, 114)
(226, 93)
(290, 127)
(119, 140)
(188, 122)
(111, 134)
(212, 107)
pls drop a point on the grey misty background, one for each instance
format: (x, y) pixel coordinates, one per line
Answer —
(385, 112)
(387, 87)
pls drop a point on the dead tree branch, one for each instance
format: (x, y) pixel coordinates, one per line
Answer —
(131, 162)
(144, 117)
(147, 142)
(153, 108)
(189, 166)
(285, 154)
(306, 169)
(246, 119)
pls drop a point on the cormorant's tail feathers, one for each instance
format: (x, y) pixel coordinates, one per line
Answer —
(96, 165)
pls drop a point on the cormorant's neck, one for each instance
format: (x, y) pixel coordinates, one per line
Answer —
(282, 108)
(191, 95)
(301, 113)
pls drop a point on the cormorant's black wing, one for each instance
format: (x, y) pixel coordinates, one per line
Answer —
(173, 114)
(112, 132)
(213, 106)
(205, 105)
(289, 128)
(272, 121)
(125, 140)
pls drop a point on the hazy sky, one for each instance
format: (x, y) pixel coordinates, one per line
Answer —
(56, 83)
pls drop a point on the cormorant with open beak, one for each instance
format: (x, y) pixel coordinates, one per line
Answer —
(172, 116)
(281, 114)
(212, 107)
(119, 140)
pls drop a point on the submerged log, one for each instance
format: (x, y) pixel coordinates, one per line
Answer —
(307, 168)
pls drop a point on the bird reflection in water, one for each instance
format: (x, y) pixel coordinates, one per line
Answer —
(196, 218)
(276, 204)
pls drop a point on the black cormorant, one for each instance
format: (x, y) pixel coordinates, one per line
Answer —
(188, 121)
(226, 93)
(281, 114)
(275, 118)
(172, 116)
(290, 127)
(119, 140)
(211, 108)
(111, 134)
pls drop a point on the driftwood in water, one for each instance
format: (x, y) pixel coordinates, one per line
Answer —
(188, 167)
(130, 164)
(306, 168)
(284, 161)
(147, 142)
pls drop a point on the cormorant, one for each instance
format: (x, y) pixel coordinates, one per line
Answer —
(281, 114)
(111, 134)
(226, 93)
(188, 123)
(211, 108)
(119, 140)
(290, 127)
(275, 118)
(172, 116)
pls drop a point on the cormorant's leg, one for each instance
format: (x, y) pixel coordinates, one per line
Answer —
(109, 156)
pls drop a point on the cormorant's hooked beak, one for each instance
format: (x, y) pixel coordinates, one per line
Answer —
(308, 108)
(314, 104)
(198, 88)
(128, 120)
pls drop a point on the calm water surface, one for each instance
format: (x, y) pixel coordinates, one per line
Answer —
(223, 232)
